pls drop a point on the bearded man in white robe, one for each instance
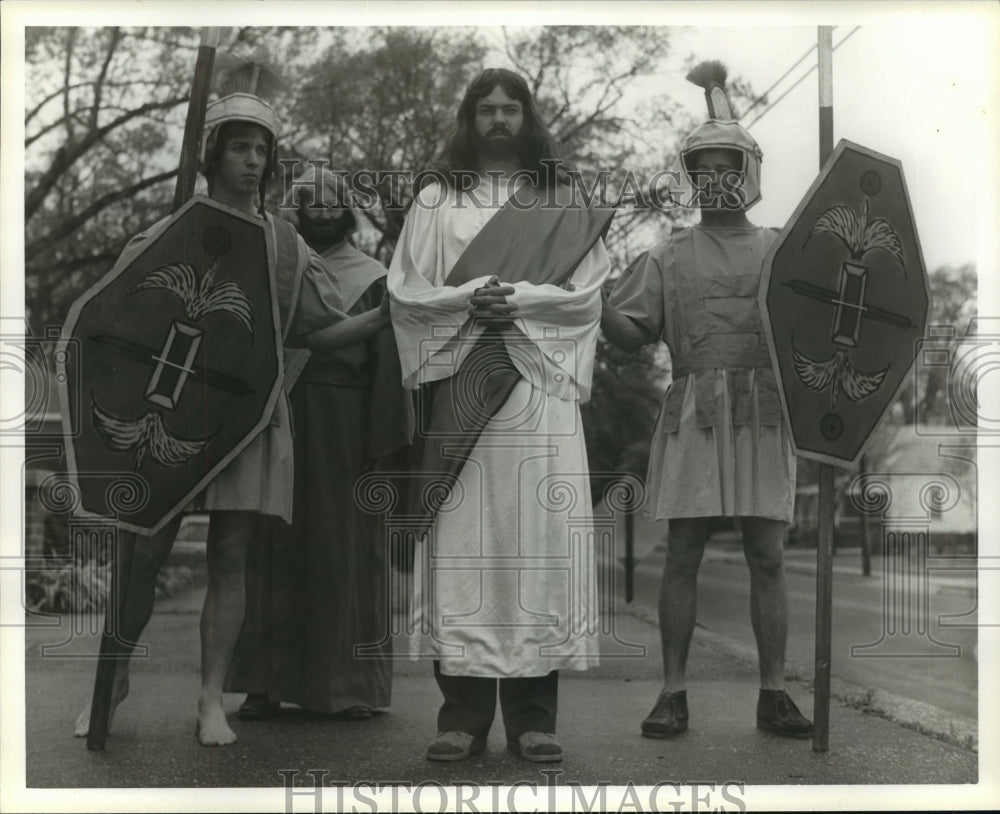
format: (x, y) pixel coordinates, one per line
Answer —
(495, 299)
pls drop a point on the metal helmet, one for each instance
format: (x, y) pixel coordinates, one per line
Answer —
(726, 135)
(721, 131)
(239, 107)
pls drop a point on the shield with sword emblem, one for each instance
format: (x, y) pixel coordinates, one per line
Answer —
(843, 299)
(179, 362)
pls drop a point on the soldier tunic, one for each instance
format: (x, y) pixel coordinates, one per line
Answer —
(720, 446)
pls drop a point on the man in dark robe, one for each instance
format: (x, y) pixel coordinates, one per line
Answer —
(319, 591)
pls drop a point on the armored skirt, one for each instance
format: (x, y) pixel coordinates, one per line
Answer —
(720, 447)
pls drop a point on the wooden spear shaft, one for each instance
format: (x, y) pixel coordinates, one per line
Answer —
(115, 649)
(866, 552)
(824, 545)
(195, 122)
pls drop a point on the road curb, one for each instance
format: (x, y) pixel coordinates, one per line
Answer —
(956, 730)
(966, 587)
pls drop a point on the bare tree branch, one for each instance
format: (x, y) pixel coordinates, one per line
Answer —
(50, 127)
(67, 227)
(55, 94)
(99, 82)
(31, 114)
(67, 155)
(593, 118)
(68, 67)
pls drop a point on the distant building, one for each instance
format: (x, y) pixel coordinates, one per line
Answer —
(927, 473)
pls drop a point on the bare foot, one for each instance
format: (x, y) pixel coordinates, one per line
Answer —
(118, 694)
(212, 728)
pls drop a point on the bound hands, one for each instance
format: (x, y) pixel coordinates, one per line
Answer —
(489, 304)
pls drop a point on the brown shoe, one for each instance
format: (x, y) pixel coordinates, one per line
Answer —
(776, 712)
(669, 717)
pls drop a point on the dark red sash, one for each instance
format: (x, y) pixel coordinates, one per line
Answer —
(529, 239)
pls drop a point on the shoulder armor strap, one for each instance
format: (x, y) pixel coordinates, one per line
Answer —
(288, 270)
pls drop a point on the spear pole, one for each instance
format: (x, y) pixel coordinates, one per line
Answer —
(824, 544)
(195, 122)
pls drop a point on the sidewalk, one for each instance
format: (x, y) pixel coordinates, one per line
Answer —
(153, 745)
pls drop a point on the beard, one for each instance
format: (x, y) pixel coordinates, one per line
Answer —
(322, 235)
(499, 145)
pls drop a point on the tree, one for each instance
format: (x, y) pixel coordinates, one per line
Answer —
(925, 398)
(585, 81)
(104, 105)
(383, 103)
(106, 108)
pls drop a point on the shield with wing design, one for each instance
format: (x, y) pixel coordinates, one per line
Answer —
(843, 300)
(180, 360)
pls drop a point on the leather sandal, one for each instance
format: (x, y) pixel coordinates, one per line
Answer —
(538, 747)
(257, 707)
(452, 746)
(355, 713)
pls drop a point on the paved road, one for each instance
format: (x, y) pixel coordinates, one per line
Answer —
(152, 744)
(937, 675)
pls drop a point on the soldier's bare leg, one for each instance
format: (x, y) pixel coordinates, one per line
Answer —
(148, 556)
(229, 536)
(763, 542)
(678, 596)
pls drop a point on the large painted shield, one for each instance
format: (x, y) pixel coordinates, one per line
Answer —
(179, 364)
(843, 300)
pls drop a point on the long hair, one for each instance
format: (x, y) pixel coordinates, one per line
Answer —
(540, 155)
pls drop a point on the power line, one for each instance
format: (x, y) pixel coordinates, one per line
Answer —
(778, 81)
(799, 80)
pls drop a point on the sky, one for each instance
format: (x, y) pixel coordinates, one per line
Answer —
(913, 90)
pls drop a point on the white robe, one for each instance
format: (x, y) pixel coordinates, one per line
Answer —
(505, 583)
